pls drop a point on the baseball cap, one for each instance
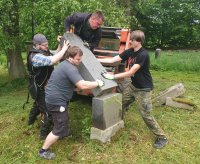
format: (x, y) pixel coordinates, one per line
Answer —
(39, 39)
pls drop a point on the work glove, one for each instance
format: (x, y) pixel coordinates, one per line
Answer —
(100, 82)
(86, 44)
(108, 76)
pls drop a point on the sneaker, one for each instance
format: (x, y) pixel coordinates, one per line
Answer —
(160, 142)
(47, 155)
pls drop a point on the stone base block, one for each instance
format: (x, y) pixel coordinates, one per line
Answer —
(106, 110)
(105, 135)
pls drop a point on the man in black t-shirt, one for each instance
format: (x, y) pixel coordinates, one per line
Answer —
(141, 85)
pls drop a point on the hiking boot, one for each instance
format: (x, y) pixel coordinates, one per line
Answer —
(160, 142)
(47, 154)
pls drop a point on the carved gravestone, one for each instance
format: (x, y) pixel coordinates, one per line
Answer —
(90, 68)
(157, 53)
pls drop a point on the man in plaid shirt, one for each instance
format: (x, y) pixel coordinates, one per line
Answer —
(40, 66)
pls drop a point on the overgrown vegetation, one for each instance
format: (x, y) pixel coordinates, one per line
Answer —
(133, 144)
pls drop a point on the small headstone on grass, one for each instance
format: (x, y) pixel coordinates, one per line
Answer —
(157, 53)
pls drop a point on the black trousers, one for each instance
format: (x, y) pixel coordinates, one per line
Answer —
(39, 107)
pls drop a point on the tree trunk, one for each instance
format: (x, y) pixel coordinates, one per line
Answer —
(16, 67)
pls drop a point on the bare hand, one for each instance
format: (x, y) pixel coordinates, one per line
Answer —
(58, 38)
(66, 44)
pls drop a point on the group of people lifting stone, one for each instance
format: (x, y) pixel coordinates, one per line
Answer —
(55, 86)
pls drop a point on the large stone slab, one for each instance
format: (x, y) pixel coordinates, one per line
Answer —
(90, 68)
(106, 110)
(170, 102)
(174, 91)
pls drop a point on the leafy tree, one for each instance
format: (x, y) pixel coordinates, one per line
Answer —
(27, 18)
(166, 23)
(170, 24)
(10, 37)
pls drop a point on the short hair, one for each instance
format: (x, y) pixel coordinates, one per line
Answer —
(98, 15)
(138, 35)
(72, 52)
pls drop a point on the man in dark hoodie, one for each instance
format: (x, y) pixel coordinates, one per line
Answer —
(86, 26)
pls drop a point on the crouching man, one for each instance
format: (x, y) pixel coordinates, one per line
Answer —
(59, 91)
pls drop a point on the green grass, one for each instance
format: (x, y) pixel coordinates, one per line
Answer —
(176, 61)
(133, 144)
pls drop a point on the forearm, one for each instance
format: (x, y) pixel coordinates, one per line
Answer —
(122, 75)
(58, 56)
(129, 73)
(105, 60)
(87, 84)
(110, 60)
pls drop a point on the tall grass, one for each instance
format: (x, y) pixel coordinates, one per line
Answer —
(186, 61)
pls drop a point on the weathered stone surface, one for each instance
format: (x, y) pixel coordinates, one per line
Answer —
(106, 110)
(105, 135)
(157, 53)
(90, 68)
(170, 102)
(174, 91)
